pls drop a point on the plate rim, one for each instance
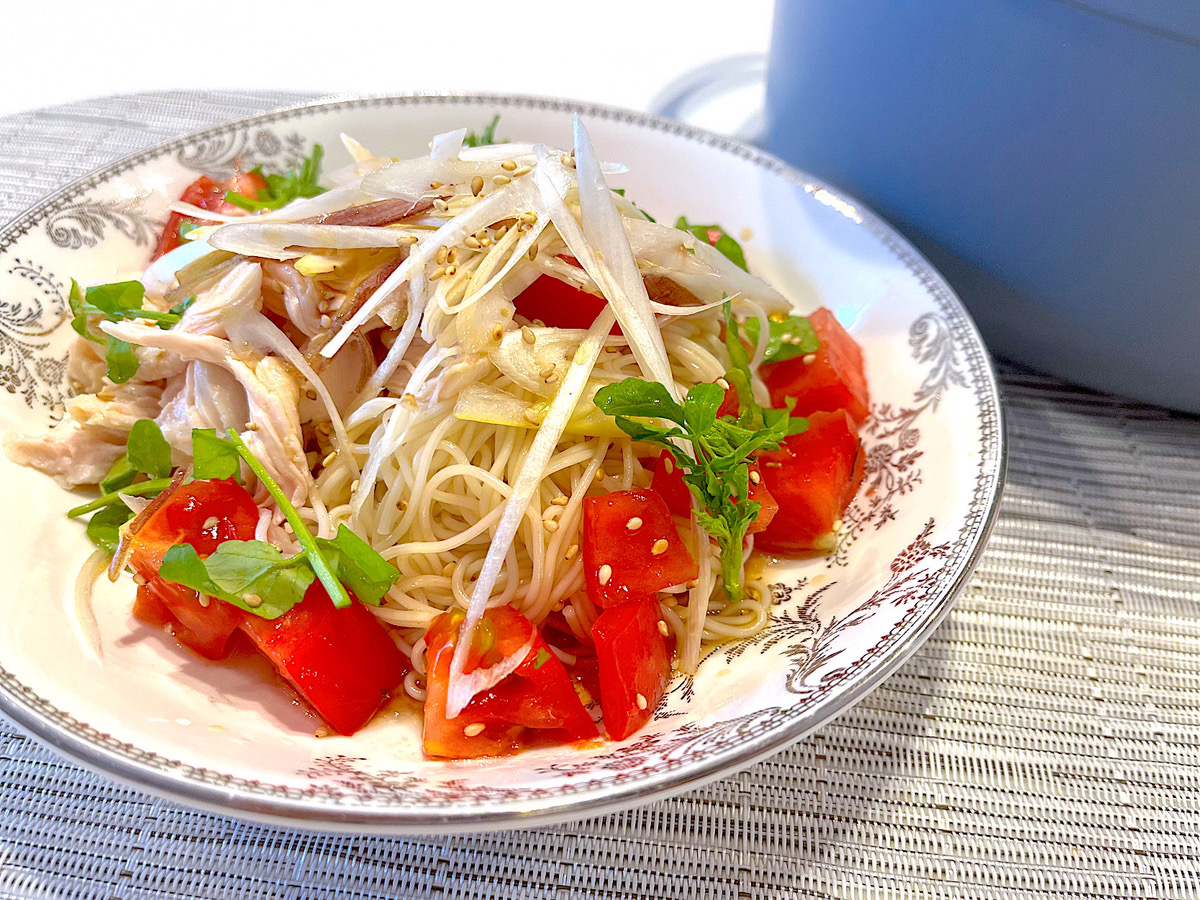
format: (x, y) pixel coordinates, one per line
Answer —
(181, 782)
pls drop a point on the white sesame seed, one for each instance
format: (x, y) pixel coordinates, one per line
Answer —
(500, 179)
(210, 522)
(498, 333)
(509, 165)
(252, 600)
(723, 384)
(474, 729)
(450, 270)
(604, 574)
(641, 701)
(437, 273)
(326, 321)
(472, 242)
(333, 454)
(809, 358)
(550, 525)
(560, 500)
(527, 335)
(452, 256)
(633, 524)
(524, 170)
(571, 551)
(662, 628)
(531, 417)
(477, 185)
(755, 477)
(660, 547)
(440, 256)
(668, 466)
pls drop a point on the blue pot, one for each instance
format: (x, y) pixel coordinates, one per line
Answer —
(1044, 154)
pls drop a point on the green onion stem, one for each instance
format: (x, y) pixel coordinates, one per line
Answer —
(135, 490)
(315, 557)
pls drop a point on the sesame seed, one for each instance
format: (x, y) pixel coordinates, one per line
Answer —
(660, 547)
(210, 522)
(604, 574)
(252, 600)
(472, 242)
(633, 524)
(474, 729)
(322, 732)
(354, 485)
(408, 240)
(723, 384)
(546, 371)
(326, 321)
(440, 256)
(333, 454)
(139, 579)
(641, 701)
(440, 204)
(755, 477)
(550, 525)
(663, 629)
(838, 525)
(501, 231)
(311, 393)
(560, 500)
(670, 602)
(527, 335)
(533, 252)
(571, 551)
(436, 185)
(498, 333)
(476, 185)
(600, 476)
(437, 273)
(452, 256)
(529, 217)
(500, 179)
(531, 417)
(809, 358)
(668, 466)
(450, 270)
(524, 170)
(509, 165)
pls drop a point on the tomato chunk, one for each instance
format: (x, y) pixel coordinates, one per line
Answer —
(209, 194)
(631, 548)
(760, 494)
(834, 379)
(634, 657)
(203, 514)
(560, 305)
(341, 661)
(538, 698)
(813, 477)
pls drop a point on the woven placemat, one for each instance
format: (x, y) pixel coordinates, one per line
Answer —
(1043, 743)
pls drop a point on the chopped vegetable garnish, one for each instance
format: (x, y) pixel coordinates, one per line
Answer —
(283, 189)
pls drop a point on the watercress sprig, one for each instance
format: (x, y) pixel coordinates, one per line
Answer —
(283, 189)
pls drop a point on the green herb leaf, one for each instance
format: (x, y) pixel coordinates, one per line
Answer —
(117, 299)
(487, 136)
(358, 566)
(316, 556)
(792, 337)
(122, 361)
(251, 575)
(718, 237)
(543, 657)
(147, 450)
(79, 313)
(283, 189)
(121, 475)
(104, 527)
(213, 457)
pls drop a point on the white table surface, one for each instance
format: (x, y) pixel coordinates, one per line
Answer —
(619, 52)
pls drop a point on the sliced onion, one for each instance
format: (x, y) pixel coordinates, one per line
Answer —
(286, 240)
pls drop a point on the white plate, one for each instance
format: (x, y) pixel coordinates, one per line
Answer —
(230, 739)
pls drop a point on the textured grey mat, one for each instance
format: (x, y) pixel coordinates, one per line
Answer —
(1043, 743)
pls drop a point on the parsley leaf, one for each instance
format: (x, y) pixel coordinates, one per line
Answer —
(252, 575)
(358, 566)
(718, 237)
(283, 189)
(147, 450)
(213, 457)
(792, 337)
(488, 135)
(103, 529)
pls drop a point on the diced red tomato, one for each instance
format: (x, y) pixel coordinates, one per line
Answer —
(341, 661)
(668, 482)
(560, 305)
(537, 697)
(634, 658)
(813, 477)
(631, 548)
(834, 379)
(760, 494)
(203, 514)
(206, 193)
(731, 405)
